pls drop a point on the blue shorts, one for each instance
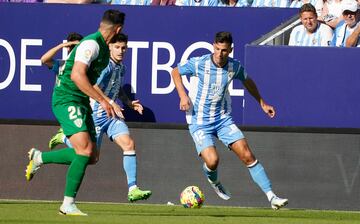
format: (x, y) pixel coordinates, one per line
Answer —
(112, 127)
(224, 129)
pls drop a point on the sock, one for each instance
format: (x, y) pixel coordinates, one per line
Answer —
(259, 176)
(67, 142)
(270, 195)
(129, 163)
(75, 175)
(68, 201)
(61, 156)
(210, 174)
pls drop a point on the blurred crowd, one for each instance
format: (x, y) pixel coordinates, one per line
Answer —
(323, 22)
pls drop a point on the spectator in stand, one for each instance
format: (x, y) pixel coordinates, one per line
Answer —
(196, 2)
(331, 12)
(271, 3)
(233, 3)
(130, 2)
(318, 4)
(23, 1)
(163, 2)
(311, 32)
(348, 26)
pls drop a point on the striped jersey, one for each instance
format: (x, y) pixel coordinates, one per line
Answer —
(131, 2)
(270, 3)
(208, 91)
(318, 4)
(321, 37)
(341, 33)
(239, 3)
(110, 82)
(196, 2)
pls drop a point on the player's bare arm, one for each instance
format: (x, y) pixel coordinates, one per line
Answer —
(184, 98)
(47, 58)
(253, 90)
(78, 76)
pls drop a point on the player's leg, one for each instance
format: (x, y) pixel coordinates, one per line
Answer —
(77, 123)
(257, 172)
(205, 146)
(119, 132)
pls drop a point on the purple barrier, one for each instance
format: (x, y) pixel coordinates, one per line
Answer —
(310, 87)
(159, 38)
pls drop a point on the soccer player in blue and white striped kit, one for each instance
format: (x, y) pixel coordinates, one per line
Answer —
(208, 113)
(109, 85)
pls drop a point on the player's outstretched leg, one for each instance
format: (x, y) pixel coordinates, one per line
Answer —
(34, 163)
(259, 176)
(57, 139)
(129, 163)
(215, 183)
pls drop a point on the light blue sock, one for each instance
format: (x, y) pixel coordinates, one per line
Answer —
(67, 142)
(259, 176)
(210, 174)
(129, 162)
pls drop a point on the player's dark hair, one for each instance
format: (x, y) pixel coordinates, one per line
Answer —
(307, 8)
(113, 17)
(223, 37)
(120, 37)
(74, 36)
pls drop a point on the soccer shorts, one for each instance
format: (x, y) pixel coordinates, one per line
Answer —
(224, 129)
(112, 127)
(75, 118)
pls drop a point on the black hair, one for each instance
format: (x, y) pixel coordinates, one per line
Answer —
(223, 37)
(113, 17)
(74, 36)
(120, 37)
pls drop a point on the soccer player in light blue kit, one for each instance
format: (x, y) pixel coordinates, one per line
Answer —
(208, 113)
(109, 85)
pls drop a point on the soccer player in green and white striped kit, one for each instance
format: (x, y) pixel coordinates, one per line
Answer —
(70, 104)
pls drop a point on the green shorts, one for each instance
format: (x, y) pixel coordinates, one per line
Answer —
(74, 118)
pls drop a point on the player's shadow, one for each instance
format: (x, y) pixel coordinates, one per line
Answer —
(132, 115)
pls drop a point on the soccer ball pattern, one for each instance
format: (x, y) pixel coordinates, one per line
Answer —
(192, 197)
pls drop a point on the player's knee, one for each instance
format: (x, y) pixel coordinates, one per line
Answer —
(212, 163)
(129, 145)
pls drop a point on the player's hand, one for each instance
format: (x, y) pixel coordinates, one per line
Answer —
(135, 104)
(108, 108)
(268, 109)
(184, 103)
(118, 110)
(70, 43)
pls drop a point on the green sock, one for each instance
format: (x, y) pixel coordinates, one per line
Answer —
(61, 156)
(75, 175)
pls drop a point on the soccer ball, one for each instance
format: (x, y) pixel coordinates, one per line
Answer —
(192, 197)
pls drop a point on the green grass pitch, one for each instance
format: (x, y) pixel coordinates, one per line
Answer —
(46, 212)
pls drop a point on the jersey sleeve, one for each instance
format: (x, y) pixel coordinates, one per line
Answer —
(87, 51)
(187, 67)
(240, 73)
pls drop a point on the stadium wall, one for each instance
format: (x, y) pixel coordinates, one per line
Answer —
(314, 170)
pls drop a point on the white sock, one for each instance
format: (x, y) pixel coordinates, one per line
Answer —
(68, 201)
(38, 159)
(270, 195)
(132, 187)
